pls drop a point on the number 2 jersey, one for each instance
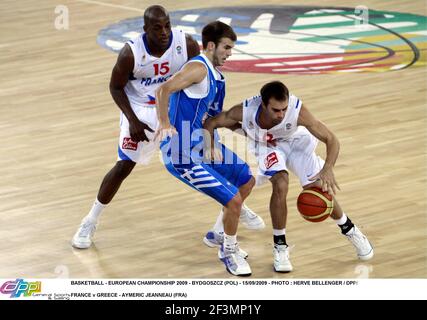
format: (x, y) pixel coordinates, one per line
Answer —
(260, 138)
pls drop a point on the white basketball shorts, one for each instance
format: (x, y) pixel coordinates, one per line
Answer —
(140, 152)
(296, 155)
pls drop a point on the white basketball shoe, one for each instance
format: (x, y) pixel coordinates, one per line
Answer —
(83, 237)
(281, 258)
(250, 219)
(214, 239)
(364, 249)
(234, 263)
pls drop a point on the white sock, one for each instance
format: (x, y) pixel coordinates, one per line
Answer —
(219, 224)
(279, 232)
(230, 242)
(96, 210)
(341, 220)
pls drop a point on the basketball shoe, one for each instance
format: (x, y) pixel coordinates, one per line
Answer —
(234, 262)
(364, 249)
(281, 258)
(214, 239)
(250, 219)
(83, 237)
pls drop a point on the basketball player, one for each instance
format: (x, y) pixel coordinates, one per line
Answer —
(283, 135)
(142, 65)
(190, 95)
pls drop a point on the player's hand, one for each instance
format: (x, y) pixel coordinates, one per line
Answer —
(137, 131)
(216, 155)
(164, 131)
(327, 179)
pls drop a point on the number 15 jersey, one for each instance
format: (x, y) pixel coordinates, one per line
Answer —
(150, 72)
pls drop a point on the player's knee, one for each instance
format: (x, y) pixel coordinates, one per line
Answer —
(123, 168)
(235, 204)
(250, 184)
(280, 183)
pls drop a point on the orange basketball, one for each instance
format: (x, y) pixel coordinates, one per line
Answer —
(315, 205)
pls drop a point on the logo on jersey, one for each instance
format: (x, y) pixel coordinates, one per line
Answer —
(150, 81)
(302, 39)
(129, 144)
(179, 49)
(151, 100)
(288, 126)
(271, 160)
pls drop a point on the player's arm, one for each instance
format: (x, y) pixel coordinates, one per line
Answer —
(321, 132)
(122, 70)
(228, 119)
(193, 48)
(193, 72)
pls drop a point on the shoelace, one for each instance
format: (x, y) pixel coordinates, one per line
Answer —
(87, 228)
(283, 251)
(357, 239)
(248, 212)
(237, 257)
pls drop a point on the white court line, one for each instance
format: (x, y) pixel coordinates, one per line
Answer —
(111, 5)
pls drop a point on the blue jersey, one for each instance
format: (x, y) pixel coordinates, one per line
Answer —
(183, 153)
(190, 113)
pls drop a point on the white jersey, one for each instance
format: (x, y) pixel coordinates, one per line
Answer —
(281, 132)
(285, 147)
(150, 72)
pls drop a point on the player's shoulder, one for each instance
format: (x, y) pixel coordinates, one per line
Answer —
(178, 34)
(136, 38)
(253, 101)
(294, 101)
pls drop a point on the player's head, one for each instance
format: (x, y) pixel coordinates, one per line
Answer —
(275, 98)
(218, 39)
(157, 26)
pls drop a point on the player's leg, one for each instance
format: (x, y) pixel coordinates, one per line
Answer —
(279, 214)
(205, 179)
(230, 253)
(237, 172)
(272, 166)
(363, 247)
(306, 165)
(129, 153)
(113, 180)
(82, 239)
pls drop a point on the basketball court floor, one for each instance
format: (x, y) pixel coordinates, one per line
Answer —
(59, 131)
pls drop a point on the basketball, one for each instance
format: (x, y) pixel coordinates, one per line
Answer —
(315, 205)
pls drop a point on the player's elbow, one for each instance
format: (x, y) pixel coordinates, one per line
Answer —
(332, 140)
(162, 92)
(116, 86)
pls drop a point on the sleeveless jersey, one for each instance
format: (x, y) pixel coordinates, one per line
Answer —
(150, 72)
(189, 108)
(281, 132)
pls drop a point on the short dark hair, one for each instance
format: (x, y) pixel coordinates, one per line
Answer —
(274, 89)
(154, 12)
(216, 30)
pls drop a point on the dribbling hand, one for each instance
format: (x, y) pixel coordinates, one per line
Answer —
(327, 179)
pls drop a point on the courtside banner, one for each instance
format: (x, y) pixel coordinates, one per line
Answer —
(212, 289)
